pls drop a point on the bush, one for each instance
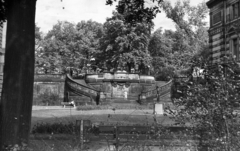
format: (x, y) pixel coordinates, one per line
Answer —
(165, 73)
(209, 105)
(54, 128)
(49, 98)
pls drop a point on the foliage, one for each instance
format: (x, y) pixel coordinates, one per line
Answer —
(191, 34)
(3, 11)
(68, 45)
(124, 40)
(165, 73)
(124, 45)
(174, 52)
(38, 49)
(127, 34)
(130, 36)
(160, 48)
(89, 34)
(187, 18)
(137, 11)
(210, 105)
(160, 43)
(138, 133)
(49, 98)
(16, 147)
(54, 128)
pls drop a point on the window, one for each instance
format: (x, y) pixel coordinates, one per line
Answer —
(1, 67)
(228, 14)
(1, 58)
(235, 10)
(235, 49)
(217, 17)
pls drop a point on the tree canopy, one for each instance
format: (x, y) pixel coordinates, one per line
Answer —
(174, 51)
(68, 45)
(128, 43)
(135, 11)
(124, 45)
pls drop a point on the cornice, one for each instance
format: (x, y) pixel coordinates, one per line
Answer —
(212, 3)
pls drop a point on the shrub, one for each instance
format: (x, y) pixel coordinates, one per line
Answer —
(165, 73)
(54, 128)
(209, 105)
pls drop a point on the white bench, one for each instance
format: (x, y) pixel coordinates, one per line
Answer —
(64, 104)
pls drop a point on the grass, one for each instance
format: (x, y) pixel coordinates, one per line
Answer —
(108, 116)
(116, 107)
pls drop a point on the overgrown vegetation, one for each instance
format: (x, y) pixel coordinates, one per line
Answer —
(172, 51)
(54, 128)
(211, 104)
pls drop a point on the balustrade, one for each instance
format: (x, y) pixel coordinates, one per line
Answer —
(158, 91)
(80, 88)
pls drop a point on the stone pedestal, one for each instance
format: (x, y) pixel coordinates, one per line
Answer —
(158, 109)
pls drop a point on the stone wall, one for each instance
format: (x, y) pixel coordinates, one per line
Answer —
(48, 84)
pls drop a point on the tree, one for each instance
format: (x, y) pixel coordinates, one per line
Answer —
(160, 48)
(60, 48)
(191, 34)
(68, 45)
(123, 45)
(209, 105)
(186, 17)
(89, 34)
(173, 53)
(39, 41)
(17, 92)
(160, 43)
(137, 11)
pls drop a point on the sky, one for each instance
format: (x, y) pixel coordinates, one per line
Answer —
(75, 11)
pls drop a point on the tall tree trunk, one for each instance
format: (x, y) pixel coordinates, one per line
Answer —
(17, 94)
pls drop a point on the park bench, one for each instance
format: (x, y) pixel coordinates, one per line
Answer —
(64, 104)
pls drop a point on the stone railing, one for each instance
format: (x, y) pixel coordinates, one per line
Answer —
(49, 77)
(158, 92)
(80, 88)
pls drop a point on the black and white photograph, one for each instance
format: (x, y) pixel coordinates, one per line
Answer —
(119, 75)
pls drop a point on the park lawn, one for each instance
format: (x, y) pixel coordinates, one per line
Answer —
(103, 117)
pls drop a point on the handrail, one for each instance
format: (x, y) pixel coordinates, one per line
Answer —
(158, 91)
(80, 88)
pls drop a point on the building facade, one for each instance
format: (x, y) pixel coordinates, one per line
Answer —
(224, 32)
